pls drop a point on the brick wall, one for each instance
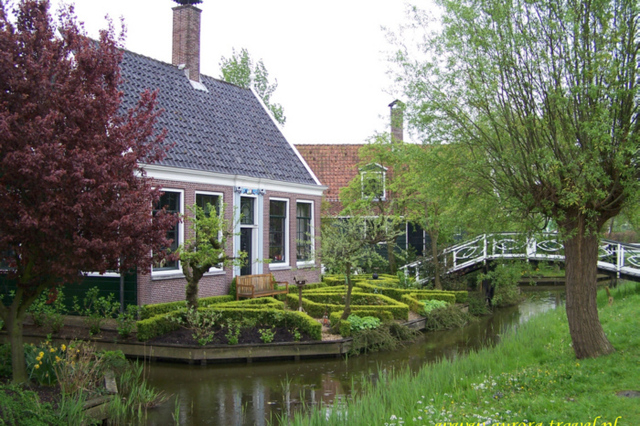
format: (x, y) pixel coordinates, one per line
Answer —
(171, 287)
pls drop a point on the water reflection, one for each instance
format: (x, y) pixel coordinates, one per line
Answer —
(255, 394)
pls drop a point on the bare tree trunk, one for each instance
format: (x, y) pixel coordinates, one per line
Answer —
(391, 254)
(347, 301)
(436, 262)
(193, 277)
(587, 335)
(18, 364)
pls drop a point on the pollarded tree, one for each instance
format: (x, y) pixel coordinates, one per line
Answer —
(74, 194)
(544, 95)
(207, 248)
(349, 242)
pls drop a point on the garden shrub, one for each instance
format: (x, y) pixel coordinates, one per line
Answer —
(430, 305)
(363, 323)
(155, 326)
(446, 318)
(415, 300)
(21, 406)
(505, 278)
(161, 324)
(316, 304)
(148, 311)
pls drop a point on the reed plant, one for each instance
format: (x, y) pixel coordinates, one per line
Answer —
(531, 376)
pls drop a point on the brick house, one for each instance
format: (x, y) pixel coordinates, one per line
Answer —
(338, 164)
(227, 151)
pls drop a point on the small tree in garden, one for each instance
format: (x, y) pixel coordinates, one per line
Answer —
(347, 243)
(75, 198)
(207, 248)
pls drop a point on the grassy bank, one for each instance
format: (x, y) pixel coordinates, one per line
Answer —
(532, 376)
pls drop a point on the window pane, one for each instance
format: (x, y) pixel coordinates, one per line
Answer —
(246, 209)
(277, 231)
(171, 202)
(303, 237)
(205, 200)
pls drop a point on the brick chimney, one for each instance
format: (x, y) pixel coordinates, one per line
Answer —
(186, 38)
(397, 120)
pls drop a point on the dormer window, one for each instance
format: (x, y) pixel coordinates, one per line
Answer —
(372, 178)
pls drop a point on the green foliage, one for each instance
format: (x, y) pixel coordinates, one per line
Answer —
(200, 322)
(239, 69)
(46, 311)
(446, 318)
(430, 305)
(478, 305)
(155, 326)
(42, 361)
(126, 321)
(96, 309)
(363, 323)
(267, 334)
(207, 248)
(505, 278)
(5, 360)
(233, 331)
(162, 324)
(148, 311)
(316, 304)
(23, 407)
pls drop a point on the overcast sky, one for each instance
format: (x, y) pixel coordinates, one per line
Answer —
(329, 57)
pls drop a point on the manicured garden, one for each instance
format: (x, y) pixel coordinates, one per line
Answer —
(531, 376)
(67, 375)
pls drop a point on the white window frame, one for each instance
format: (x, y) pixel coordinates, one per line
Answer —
(371, 168)
(213, 270)
(311, 262)
(285, 264)
(178, 271)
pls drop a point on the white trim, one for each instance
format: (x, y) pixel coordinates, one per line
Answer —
(282, 132)
(210, 178)
(213, 270)
(311, 262)
(180, 226)
(287, 234)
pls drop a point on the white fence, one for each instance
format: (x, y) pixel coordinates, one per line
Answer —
(622, 259)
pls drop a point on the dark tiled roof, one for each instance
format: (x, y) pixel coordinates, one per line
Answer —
(334, 166)
(225, 130)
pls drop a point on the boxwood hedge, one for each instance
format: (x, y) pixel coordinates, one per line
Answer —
(317, 304)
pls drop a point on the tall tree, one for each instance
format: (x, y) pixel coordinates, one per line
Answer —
(240, 70)
(544, 94)
(75, 196)
(207, 248)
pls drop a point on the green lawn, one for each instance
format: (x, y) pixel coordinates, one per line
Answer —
(531, 377)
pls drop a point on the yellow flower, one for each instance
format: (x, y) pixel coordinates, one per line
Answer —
(41, 354)
(40, 363)
(52, 350)
(37, 366)
(63, 347)
(58, 358)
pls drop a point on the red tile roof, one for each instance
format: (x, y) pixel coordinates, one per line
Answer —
(335, 166)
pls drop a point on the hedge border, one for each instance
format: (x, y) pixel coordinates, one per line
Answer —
(161, 324)
(315, 309)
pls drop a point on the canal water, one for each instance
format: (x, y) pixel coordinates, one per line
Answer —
(260, 392)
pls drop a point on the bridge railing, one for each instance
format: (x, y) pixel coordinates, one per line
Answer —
(613, 256)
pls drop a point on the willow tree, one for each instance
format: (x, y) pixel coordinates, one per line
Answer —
(544, 94)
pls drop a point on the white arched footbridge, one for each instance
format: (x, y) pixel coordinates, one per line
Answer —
(616, 259)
